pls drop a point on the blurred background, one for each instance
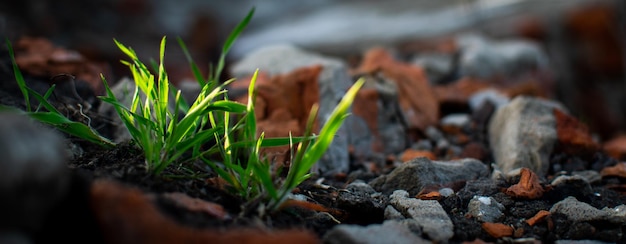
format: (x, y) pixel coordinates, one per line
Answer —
(585, 40)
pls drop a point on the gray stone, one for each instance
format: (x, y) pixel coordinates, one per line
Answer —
(456, 120)
(428, 214)
(579, 211)
(414, 175)
(446, 192)
(389, 232)
(590, 176)
(392, 213)
(575, 182)
(485, 209)
(390, 131)
(433, 133)
(483, 58)
(438, 66)
(360, 187)
(33, 172)
(523, 134)
(489, 95)
(333, 82)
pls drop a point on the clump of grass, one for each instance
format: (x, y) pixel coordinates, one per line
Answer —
(234, 144)
(49, 114)
(228, 129)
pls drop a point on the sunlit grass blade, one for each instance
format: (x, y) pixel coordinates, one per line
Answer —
(194, 68)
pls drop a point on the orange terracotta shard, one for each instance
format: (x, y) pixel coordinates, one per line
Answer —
(198, 205)
(618, 170)
(528, 186)
(415, 96)
(39, 57)
(126, 215)
(573, 136)
(616, 147)
(497, 230)
(411, 154)
(540, 216)
(433, 195)
(282, 104)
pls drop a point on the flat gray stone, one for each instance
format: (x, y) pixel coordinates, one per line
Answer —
(579, 211)
(485, 209)
(389, 232)
(428, 214)
(412, 176)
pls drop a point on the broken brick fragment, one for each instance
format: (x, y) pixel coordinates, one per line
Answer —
(415, 96)
(540, 216)
(126, 215)
(410, 154)
(282, 104)
(573, 136)
(497, 230)
(197, 205)
(39, 57)
(616, 147)
(528, 186)
(618, 170)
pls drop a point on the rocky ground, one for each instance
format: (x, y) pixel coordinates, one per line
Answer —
(463, 138)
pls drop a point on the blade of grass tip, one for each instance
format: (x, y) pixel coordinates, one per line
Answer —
(194, 68)
(19, 78)
(251, 117)
(128, 51)
(229, 42)
(330, 128)
(163, 89)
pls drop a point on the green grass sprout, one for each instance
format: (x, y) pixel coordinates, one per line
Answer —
(51, 116)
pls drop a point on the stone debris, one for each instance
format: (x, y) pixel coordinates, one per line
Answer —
(428, 214)
(418, 173)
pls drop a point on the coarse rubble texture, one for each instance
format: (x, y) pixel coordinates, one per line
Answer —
(510, 135)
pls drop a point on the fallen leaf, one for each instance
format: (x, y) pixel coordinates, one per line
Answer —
(197, 205)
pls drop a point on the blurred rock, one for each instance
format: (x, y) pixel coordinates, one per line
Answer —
(417, 101)
(486, 59)
(333, 82)
(523, 134)
(33, 173)
(616, 147)
(39, 57)
(377, 104)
